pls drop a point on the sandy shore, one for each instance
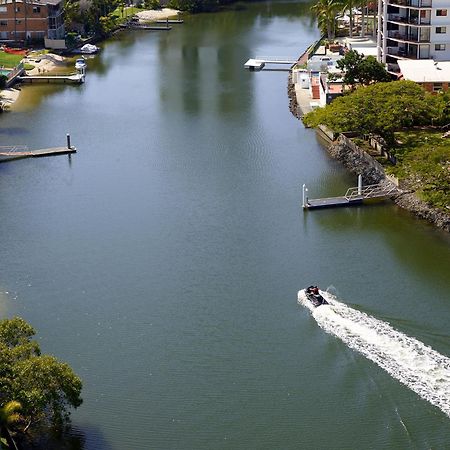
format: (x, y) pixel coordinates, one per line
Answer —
(153, 15)
(44, 63)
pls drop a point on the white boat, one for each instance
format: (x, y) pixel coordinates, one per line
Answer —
(80, 64)
(89, 49)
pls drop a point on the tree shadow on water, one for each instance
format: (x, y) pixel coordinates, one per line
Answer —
(86, 438)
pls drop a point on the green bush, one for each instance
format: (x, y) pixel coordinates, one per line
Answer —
(3, 80)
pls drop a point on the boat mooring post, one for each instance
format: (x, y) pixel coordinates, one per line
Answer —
(359, 184)
(68, 141)
(305, 196)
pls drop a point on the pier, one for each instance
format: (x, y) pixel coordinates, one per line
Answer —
(353, 196)
(259, 62)
(10, 153)
(170, 21)
(135, 26)
(76, 78)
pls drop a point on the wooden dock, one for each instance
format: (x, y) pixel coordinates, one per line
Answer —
(354, 195)
(145, 27)
(259, 62)
(332, 202)
(13, 154)
(170, 21)
(76, 78)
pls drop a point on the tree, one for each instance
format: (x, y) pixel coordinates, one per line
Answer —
(45, 387)
(326, 15)
(8, 416)
(349, 5)
(358, 69)
(381, 109)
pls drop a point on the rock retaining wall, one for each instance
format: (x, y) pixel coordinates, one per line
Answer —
(293, 105)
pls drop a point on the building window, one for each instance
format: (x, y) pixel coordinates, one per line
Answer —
(17, 9)
(3, 23)
(439, 47)
(441, 12)
(3, 9)
(441, 30)
(36, 9)
(437, 87)
(18, 22)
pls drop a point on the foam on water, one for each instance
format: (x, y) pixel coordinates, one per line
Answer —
(408, 360)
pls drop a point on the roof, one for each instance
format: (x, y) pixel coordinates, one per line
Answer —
(425, 70)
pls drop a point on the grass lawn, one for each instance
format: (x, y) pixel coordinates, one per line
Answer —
(127, 11)
(423, 159)
(9, 60)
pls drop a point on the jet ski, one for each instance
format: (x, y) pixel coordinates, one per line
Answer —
(313, 295)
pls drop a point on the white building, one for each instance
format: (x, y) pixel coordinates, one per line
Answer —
(413, 29)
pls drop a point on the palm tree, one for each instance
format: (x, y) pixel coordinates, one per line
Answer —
(8, 415)
(326, 16)
(349, 5)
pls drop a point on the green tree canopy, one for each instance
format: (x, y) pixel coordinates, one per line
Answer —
(358, 69)
(44, 387)
(326, 11)
(380, 108)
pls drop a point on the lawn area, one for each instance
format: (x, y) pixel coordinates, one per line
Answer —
(423, 160)
(128, 11)
(8, 60)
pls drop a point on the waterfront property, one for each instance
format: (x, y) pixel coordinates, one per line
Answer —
(33, 20)
(413, 29)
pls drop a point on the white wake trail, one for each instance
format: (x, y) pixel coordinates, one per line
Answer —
(408, 360)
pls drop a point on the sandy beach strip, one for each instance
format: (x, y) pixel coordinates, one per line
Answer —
(154, 15)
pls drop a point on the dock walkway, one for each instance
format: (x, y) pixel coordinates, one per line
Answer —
(259, 62)
(135, 26)
(353, 196)
(21, 152)
(76, 78)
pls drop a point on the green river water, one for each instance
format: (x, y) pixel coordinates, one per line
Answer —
(163, 260)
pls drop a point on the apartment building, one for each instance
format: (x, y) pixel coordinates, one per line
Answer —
(34, 20)
(413, 29)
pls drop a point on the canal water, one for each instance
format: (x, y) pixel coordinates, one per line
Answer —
(163, 260)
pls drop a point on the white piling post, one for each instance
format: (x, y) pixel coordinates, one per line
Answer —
(359, 184)
(305, 196)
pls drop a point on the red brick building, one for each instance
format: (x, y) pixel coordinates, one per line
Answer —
(33, 20)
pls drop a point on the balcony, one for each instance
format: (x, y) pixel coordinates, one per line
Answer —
(409, 36)
(402, 52)
(416, 21)
(412, 3)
